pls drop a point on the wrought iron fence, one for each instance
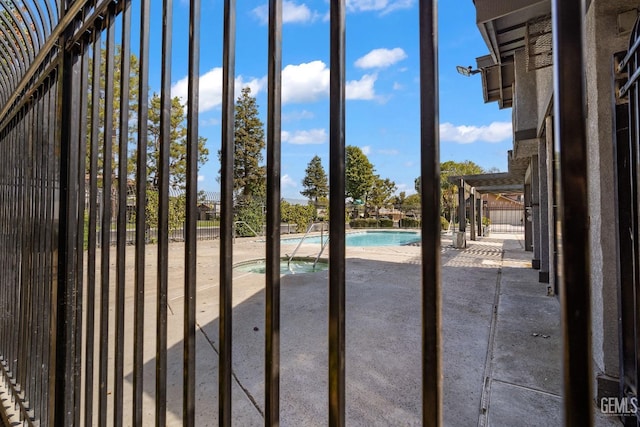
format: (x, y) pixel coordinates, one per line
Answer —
(627, 144)
(71, 189)
(64, 132)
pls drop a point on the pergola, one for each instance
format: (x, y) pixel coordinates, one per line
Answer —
(472, 185)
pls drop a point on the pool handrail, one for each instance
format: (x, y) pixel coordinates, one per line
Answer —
(248, 226)
(324, 245)
(302, 239)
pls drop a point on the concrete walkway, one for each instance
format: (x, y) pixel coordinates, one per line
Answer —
(501, 339)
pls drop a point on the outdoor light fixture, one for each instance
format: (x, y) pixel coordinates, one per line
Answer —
(466, 71)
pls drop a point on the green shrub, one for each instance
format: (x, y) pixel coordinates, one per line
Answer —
(358, 223)
(486, 221)
(301, 215)
(409, 223)
(444, 224)
(371, 223)
(364, 223)
(250, 212)
(385, 223)
(176, 212)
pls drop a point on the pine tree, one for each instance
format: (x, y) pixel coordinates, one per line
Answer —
(177, 147)
(315, 182)
(249, 175)
(359, 174)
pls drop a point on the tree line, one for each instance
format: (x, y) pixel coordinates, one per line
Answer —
(363, 186)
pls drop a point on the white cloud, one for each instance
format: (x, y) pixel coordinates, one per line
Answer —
(303, 137)
(397, 86)
(381, 58)
(309, 82)
(287, 181)
(366, 150)
(200, 178)
(291, 13)
(382, 6)
(363, 88)
(494, 132)
(306, 82)
(211, 88)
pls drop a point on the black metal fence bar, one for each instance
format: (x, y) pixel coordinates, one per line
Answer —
(106, 212)
(190, 264)
(123, 153)
(82, 153)
(90, 283)
(22, 366)
(625, 151)
(17, 292)
(29, 234)
(27, 246)
(52, 244)
(629, 297)
(141, 197)
(17, 366)
(66, 409)
(163, 213)
(337, 91)
(430, 204)
(226, 214)
(272, 329)
(39, 253)
(570, 140)
(634, 133)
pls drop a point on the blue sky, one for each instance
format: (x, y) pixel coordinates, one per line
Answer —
(382, 110)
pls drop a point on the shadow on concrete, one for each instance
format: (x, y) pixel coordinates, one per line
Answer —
(383, 366)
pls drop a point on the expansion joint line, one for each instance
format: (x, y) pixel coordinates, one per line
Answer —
(488, 363)
(245, 390)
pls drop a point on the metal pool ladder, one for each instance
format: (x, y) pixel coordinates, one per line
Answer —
(247, 225)
(323, 244)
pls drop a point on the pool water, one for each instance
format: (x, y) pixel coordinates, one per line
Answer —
(296, 266)
(367, 238)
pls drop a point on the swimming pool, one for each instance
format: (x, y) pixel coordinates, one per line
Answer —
(367, 238)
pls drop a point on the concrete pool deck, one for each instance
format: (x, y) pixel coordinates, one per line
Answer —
(500, 330)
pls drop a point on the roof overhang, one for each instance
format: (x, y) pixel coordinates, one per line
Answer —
(503, 25)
